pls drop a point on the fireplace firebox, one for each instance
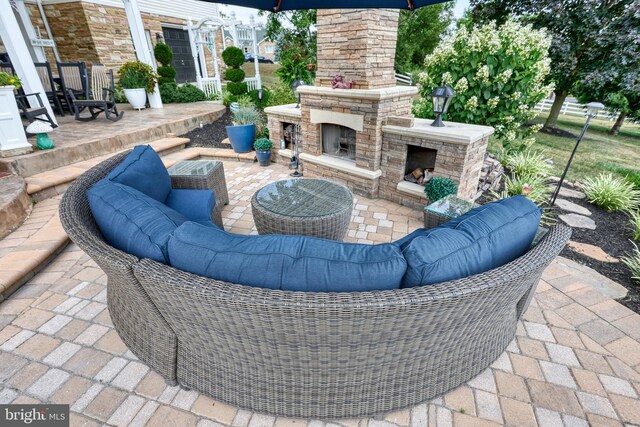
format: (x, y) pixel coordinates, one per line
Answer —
(338, 141)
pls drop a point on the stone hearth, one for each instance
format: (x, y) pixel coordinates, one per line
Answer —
(360, 44)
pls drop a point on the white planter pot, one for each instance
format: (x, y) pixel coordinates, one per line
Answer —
(13, 140)
(136, 97)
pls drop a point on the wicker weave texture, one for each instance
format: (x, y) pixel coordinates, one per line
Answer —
(319, 355)
(333, 226)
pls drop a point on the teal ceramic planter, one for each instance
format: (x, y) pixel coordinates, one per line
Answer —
(241, 137)
(264, 157)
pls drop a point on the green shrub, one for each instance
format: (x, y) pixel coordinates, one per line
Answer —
(635, 224)
(611, 193)
(168, 92)
(167, 71)
(281, 95)
(266, 96)
(438, 187)
(135, 75)
(631, 175)
(237, 88)
(233, 57)
(246, 116)
(535, 187)
(119, 94)
(163, 54)
(227, 98)
(263, 144)
(526, 163)
(9, 80)
(234, 74)
(633, 262)
(189, 93)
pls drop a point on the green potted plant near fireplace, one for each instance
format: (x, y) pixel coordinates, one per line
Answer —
(243, 132)
(137, 79)
(263, 151)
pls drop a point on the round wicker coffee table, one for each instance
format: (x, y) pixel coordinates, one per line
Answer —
(308, 207)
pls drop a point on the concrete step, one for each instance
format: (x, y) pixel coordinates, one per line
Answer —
(53, 182)
(15, 203)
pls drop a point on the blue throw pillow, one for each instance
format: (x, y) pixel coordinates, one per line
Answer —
(294, 263)
(480, 240)
(195, 205)
(143, 170)
(131, 221)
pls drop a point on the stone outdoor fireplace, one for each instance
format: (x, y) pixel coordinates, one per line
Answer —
(365, 137)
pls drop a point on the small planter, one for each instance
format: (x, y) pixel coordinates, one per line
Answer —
(13, 140)
(264, 157)
(241, 137)
(136, 97)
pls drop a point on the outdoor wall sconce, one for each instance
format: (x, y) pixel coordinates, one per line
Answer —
(295, 85)
(441, 98)
(592, 110)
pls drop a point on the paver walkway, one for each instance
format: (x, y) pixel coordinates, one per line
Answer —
(575, 360)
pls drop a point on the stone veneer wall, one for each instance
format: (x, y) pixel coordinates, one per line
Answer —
(274, 123)
(460, 162)
(360, 43)
(375, 112)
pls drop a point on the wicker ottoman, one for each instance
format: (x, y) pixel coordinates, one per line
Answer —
(202, 175)
(307, 207)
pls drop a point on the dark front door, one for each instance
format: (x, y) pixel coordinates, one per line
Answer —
(178, 41)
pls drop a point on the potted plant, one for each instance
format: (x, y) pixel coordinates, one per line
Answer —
(263, 151)
(137, 79)
(243, 132)
(438, 187)
(13, 140)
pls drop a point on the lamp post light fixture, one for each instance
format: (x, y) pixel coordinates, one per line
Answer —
(592, 110)
(295, 85)
(441, 98)
(260, 95)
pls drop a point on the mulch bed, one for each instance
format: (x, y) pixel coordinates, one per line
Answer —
(558, 132)
(612, 235)
(210, 135)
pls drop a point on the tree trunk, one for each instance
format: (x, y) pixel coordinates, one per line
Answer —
(555, 109)
(618, 124)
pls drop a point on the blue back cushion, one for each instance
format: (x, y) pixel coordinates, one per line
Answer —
(131, 221)
(294, 263)
(143, 170)
(480, 240)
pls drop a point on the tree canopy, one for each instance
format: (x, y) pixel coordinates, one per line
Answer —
(576, 28)
(419, 32)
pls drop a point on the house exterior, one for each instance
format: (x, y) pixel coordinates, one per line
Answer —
(97, 31)
(267, 48)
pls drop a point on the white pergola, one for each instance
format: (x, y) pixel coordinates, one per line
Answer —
(204, 33)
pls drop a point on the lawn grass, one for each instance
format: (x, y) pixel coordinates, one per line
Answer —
(267, 73)
(598, 151)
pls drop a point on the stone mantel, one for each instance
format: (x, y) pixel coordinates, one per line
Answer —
(287, 110)
(368, 94)
(452, 132)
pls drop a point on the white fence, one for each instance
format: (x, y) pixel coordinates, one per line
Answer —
(573, 109)
(210, 86)
(404, 79)
(252, 83)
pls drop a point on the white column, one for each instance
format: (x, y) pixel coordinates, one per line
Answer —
(16, 46)
(203, 59)
(255, 52)
(214, 54)
(38, 52)
(144, 54)
(193, 38)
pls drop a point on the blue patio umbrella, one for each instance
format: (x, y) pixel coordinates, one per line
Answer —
(279, 5)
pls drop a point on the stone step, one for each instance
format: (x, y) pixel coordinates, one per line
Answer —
(47, 184)
(15, 203)
(93, 142)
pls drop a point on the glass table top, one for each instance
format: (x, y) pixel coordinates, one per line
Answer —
(193, 167)
(450, 206)
(304, 197)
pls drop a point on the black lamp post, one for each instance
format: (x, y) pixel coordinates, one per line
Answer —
(592, 110)
(295, 85)
(260, 95)
(441, 98)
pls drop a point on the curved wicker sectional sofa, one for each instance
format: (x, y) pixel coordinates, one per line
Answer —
(296, 354)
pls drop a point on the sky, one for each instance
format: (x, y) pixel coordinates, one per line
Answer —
(243, 13)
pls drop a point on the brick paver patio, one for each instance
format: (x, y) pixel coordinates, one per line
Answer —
(575, 360)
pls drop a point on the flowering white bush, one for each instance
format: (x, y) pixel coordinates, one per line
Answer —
(498, 75)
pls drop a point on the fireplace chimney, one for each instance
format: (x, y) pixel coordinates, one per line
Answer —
(360, 44)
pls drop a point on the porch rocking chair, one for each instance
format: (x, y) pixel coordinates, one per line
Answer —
(102, 99)
(46, 77)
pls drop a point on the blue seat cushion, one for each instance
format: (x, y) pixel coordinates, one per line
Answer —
(131, 221)
(143, 170)
(294, 263)
(195, 205)
(480, 240)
